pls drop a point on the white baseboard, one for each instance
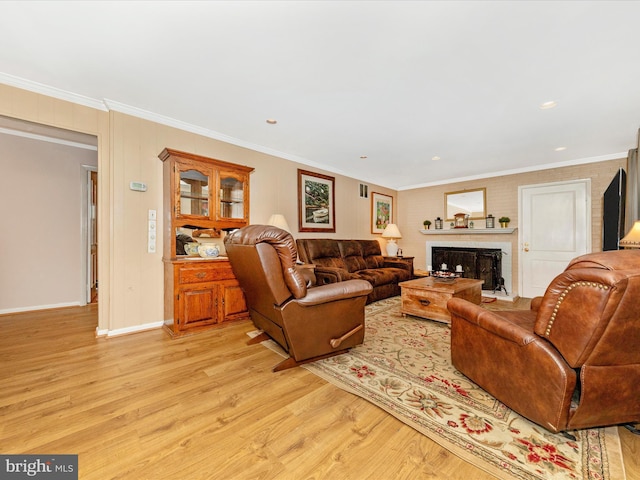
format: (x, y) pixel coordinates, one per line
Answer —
(39, 307)
(128, 330)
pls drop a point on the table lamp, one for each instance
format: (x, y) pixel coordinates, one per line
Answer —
(632, 239)
(392, 233)
(278, 220)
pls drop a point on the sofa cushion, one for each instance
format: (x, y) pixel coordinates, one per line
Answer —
(325, 252)
(371, 253)
(402, 274)
(383, 276)
(351, 251)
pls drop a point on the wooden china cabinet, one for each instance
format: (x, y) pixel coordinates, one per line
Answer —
(201, 194)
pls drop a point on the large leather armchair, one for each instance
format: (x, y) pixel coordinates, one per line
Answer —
(573, 360)
(309, 322)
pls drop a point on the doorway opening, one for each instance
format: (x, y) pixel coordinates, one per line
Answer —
(53, 162)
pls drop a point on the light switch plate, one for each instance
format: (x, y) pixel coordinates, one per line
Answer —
(151, 238)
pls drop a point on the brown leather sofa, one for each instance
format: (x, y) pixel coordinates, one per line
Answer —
(308, 321)
(340, 260)
(573, 360)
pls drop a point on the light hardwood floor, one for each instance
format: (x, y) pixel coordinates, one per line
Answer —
(143, 406)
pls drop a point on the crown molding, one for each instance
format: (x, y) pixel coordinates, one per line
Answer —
(51, 91)
(107, 105)
(112, 105)
(115, 106)
(536, 168)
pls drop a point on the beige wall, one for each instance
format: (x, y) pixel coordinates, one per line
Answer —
(41, 248)
(415, 206)
(138, 275)
(131, 280)
(30, 106)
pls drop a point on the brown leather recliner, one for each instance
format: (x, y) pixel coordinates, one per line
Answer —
(309, 322)
(573, 360)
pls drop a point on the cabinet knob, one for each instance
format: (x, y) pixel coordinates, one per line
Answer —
(201, 274)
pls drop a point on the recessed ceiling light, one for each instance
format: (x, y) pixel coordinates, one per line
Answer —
(271, 121)
(548, 105)
(435, 158)
(560, 149)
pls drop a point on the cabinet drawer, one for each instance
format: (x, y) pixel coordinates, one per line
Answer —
(425, 304)
(204, 273)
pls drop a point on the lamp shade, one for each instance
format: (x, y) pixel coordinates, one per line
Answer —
(632, 239)
(391, 231)
(278, 220)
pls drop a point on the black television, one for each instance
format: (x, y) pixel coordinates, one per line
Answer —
(613, 205)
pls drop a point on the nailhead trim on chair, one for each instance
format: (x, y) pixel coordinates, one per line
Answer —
(564, 294)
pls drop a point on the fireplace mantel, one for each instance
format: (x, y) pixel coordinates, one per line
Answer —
(470, 231)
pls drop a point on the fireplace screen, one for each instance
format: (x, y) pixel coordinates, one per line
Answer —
(480, 263)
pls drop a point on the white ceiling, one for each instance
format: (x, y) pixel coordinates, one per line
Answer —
(399, 82)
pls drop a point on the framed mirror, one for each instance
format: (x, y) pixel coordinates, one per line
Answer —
(470, 202)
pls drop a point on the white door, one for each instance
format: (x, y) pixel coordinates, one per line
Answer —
(555, 227)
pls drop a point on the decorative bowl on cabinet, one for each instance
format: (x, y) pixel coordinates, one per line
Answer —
(191, 248)
(208, 250)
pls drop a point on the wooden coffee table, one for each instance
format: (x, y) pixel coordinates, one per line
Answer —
(427, 297)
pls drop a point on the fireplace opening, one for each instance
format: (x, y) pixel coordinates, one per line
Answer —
(479, 263)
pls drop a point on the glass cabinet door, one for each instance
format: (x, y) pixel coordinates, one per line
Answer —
(232, 193)
(194, 192)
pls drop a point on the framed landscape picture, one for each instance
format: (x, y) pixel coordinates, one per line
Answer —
(316, 204)
(381, 212)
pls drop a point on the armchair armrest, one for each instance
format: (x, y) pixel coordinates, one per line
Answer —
(502, 326)
(397, 264)
(335, 291)
(499, 351)
(307, 270)
(325, 275)
(535, 303)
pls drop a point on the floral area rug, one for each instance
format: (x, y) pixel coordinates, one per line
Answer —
(404, 367)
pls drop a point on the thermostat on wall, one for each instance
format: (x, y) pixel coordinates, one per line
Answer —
(138, 186)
